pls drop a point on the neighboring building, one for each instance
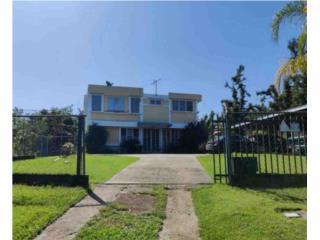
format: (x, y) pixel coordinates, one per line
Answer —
(126, 112)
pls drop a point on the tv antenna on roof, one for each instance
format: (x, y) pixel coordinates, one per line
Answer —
(155, 83)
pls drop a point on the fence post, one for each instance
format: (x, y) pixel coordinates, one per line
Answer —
(79, 144)
(84, 146)
(228, 148)
(213, 154)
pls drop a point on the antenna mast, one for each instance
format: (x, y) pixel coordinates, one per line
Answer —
(155, 83)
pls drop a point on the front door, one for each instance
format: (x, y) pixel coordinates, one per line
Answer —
(151, 140)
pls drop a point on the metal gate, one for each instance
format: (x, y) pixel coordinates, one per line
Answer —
(251, 144)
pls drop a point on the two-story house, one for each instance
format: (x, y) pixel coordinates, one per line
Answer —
(126, 112)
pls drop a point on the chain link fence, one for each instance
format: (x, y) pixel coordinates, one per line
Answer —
(47, 146)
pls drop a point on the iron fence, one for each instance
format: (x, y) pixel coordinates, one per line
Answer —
(247, 144)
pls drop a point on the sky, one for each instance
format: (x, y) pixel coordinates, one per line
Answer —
(194, 47)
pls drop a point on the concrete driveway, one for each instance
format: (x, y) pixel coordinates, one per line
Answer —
(163, 169)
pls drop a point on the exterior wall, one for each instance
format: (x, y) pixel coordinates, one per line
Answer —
(156, 113)
(113, 136)
(111, 116)
(115, 91)
(195, 97)
(183, 117)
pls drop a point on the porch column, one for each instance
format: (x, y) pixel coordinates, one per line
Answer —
(161, 139)
(141, 136)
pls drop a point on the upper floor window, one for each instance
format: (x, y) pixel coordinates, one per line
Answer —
(135, 104)
(96, 103)
(116, 104)
(155, 101)
(182, 105)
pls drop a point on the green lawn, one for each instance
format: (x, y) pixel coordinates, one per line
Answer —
(116, 223)
(277, 162)
(36, 207)
(226, 212)
(98, 167)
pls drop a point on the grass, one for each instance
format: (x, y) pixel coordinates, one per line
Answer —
(226, 212)
(283, 164)
(36, 207)
(116, 223)
(99, 167)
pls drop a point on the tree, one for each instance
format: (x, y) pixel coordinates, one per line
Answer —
(294, 11)
(207, 121)
(55, 125)
(276, 101)
(294, 87)
(96, 139)
(238, 103)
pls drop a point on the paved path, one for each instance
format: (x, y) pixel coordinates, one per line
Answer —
(163, 169)
(168, 169)
(67, 226)
(181, 223)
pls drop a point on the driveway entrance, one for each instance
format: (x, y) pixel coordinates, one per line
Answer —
(163, 169)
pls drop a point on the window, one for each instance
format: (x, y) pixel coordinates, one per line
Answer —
(155, 101)
(175, 105)
(129, 133)
(123, 134)
(96, 103)
(135, 105)
(116, 104)
(182, 105)
(189, 106)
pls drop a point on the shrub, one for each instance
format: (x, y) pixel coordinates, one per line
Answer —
(67, 149)
(173, 148)
(192, 136)
(96, 139)
(131, 146)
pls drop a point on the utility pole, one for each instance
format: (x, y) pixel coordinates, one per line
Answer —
(155, 82)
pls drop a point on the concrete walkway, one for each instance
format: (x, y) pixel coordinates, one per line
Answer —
(181, 222)
(67, 226)
(168, 169)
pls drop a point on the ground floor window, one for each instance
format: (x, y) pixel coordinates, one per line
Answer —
(129, 133)
(175, 135)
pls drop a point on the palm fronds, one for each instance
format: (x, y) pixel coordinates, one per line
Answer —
(295, 10)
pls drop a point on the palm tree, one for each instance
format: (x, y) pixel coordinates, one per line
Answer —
(295, 65)
(295, 11)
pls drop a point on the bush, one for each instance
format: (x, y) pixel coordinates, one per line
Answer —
(96, 139)
(192, 136)
(67, 149)
(173, 148)
(131, 146)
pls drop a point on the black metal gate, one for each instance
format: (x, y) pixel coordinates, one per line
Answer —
(246, 144)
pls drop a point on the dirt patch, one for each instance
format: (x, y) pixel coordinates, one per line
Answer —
(136, 203)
